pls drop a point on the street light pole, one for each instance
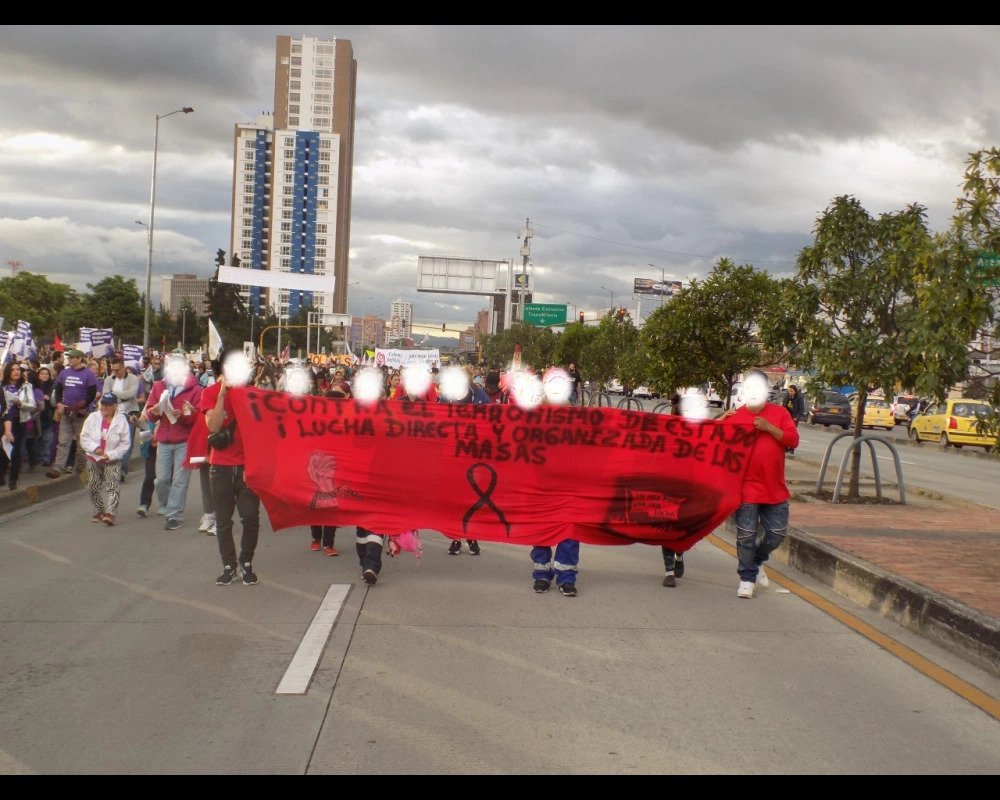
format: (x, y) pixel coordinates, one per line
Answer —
(184, 324)
(152, 209)
(605, 288)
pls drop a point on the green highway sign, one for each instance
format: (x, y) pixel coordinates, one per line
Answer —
(545, 314)
(989, 263)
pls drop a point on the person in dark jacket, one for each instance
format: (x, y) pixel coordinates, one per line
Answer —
(795, 406)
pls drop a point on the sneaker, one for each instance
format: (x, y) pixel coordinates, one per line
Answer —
(314, 545)
(249, 576)
(227, 577)
(55, 472)
(762, 580)
(97, 518)
(212, 531)
(746, 590)
(542, 586)
(669, 579)
(142, 511)
(678, 565)
(568, 590)
(159, 512)
(369, 577)
(455, 548)
(330, 551)
(172, 524)
(474, 547)
(206, 522)
(109, 519)
(67, 470)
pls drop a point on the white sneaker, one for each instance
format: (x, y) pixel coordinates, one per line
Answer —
(159, 512)
(204, 523)
(212, 529)
(762, 580)
(745, 590)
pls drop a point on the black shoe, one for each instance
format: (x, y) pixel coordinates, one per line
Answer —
(227, 577)
(369, 577)
(455, 548)
(249, 576)
(669, 579)
(542, 586)
(474, 547)
(678, 565)
(568, 589)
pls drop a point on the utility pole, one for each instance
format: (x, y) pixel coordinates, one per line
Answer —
(527, 233)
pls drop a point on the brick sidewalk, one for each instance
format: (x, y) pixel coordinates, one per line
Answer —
(950, 547)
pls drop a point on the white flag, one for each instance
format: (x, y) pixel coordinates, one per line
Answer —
(214, 341)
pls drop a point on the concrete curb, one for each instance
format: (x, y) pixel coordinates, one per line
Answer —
(968, 633)
(53, 487)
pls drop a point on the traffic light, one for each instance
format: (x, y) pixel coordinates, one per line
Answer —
(581, 318)
(220, 258)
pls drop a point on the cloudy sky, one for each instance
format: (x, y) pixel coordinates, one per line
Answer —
(626, 146)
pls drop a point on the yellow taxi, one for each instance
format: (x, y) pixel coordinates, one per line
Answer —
(953, 423)
(878, 413)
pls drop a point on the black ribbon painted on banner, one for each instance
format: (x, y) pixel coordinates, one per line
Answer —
(484, 496)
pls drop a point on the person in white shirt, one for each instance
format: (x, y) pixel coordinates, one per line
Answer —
(124, 385)
(104, 440)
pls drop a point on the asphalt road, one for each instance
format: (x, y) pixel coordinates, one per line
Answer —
(119, 654)
(955, 473)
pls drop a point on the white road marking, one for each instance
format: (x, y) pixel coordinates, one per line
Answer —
(300, 671)
(901, 461)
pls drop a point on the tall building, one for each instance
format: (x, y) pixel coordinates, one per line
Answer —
(184, 287)
(401, 320)
(292, 175)
(483, 322)
(367, 332)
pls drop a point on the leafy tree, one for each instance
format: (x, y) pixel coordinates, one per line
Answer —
(616, 336)
(227, 310)
(35, 299)
(714, 330)
(538, 345)
(977, 223)
(571, 343)
(882, 302)
(115, 302)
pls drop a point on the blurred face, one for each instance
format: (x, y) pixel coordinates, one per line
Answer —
(156, 362)
(44, 374)
(94, 366)
(118, 370)
(394, 381)
(15, 373)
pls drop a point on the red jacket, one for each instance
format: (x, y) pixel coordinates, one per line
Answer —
(764, 481)
(168, 432)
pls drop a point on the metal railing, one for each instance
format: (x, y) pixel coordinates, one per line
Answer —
(867, 439)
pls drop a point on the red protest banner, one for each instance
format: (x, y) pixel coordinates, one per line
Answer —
(491, 472)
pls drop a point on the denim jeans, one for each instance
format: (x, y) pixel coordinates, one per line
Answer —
(172, 479)
(43, 446)
(565, 566)
(131, 443)
(751, 553)
(230, 493)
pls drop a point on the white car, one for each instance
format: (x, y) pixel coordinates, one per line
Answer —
(644, 391)
(615, 387)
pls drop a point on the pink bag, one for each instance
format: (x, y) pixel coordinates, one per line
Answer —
(407, 540)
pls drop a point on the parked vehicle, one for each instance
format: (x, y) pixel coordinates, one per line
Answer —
(903, 405)
(615, 387)
(831, 408)
(953, 423)
(878, 413)
(644, 391)
(713, 396)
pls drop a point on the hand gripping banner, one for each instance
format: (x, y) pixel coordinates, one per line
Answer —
(492, 472)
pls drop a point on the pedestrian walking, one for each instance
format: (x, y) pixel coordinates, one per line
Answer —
(125, 386)
(21, 403)
(104, 440)
(75, 391)
(764, 496)
(795, 406)
(229, 489)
